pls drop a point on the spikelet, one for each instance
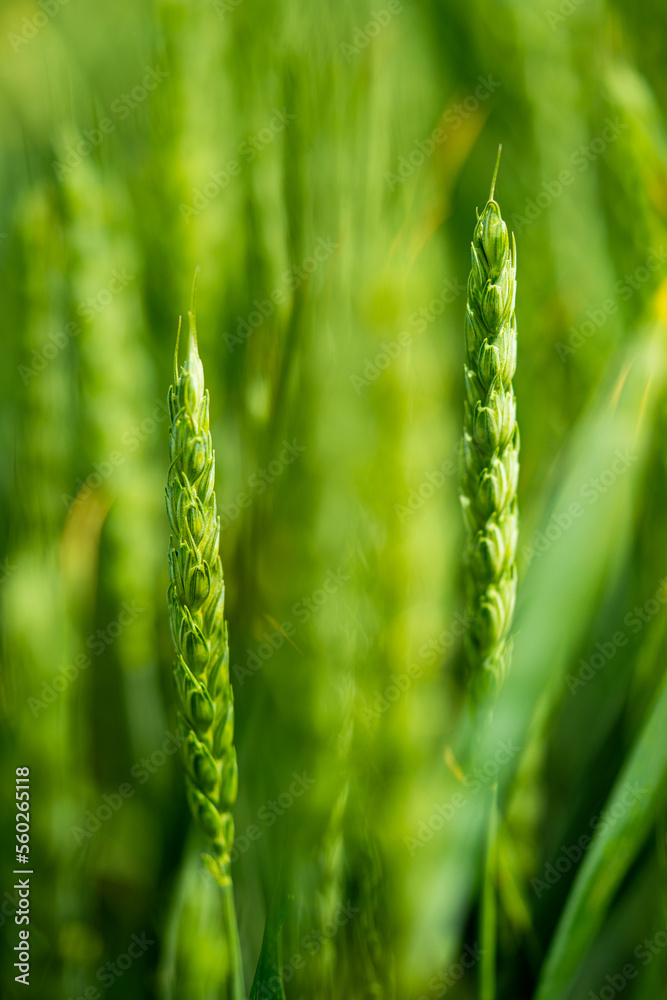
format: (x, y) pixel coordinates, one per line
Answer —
(490, 450)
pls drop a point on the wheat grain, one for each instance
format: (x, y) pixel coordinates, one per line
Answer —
(490, 452)
(196, 605)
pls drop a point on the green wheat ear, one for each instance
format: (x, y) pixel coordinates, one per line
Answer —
(490, 451)
(196, 606)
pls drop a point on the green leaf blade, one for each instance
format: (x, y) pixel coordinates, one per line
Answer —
(614, 847)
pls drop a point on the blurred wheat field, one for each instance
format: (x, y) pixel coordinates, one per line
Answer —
(322, 164)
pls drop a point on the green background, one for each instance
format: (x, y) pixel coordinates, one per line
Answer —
(322, 163)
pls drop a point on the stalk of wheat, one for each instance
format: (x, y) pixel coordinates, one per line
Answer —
(196, 606)
(490, 451)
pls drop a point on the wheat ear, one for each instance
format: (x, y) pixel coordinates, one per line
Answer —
(490, 452)
(196, 606)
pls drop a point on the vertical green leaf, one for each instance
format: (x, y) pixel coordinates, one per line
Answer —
(268, 981)
(610, 855)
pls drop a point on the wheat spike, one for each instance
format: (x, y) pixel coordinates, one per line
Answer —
(490, 452)
(196, 606)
